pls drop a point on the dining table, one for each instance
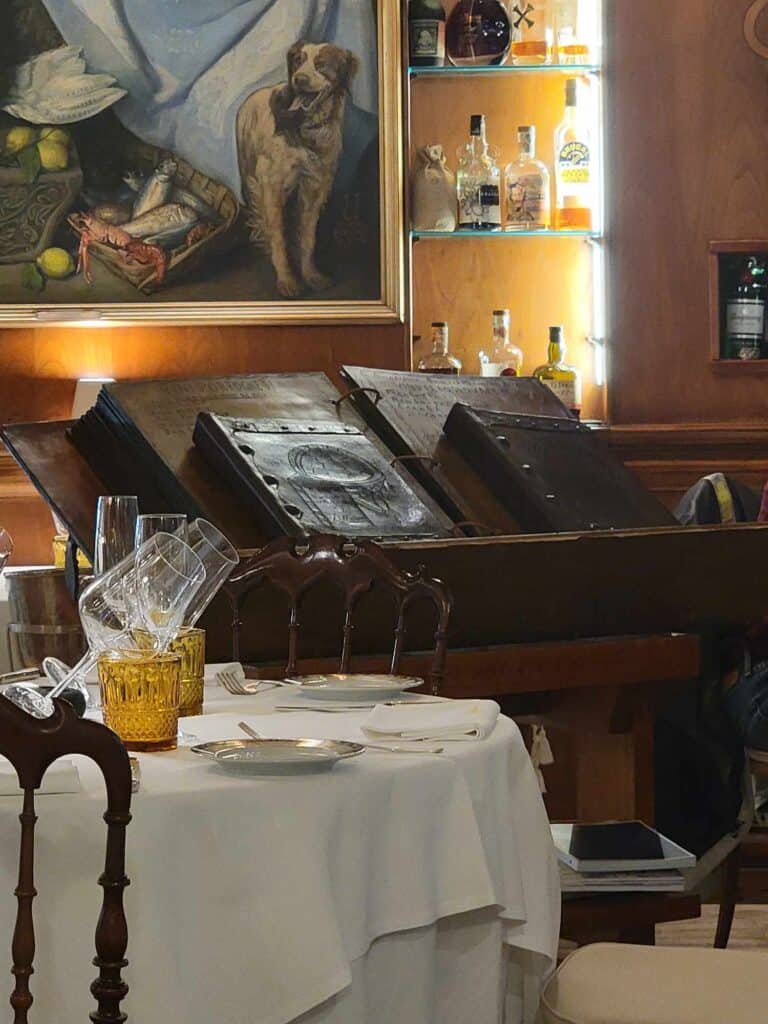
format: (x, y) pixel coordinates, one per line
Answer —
(413, 888)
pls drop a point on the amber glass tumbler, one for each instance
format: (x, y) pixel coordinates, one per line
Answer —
(190, 644)
(140, 694)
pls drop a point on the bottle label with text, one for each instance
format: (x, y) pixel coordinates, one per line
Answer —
(573, 163)
(427, 38)
(527, 201)
(568, 391)
(480, 205)
(745, 318)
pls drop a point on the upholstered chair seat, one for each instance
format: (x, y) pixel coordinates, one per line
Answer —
(622, 984)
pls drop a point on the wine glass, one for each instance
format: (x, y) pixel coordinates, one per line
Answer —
(110, 610)
(6, 547)
(148, 525)
(219, 558)
(168, 576)
(115, 537)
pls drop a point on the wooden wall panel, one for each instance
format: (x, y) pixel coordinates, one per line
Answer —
(687, 159)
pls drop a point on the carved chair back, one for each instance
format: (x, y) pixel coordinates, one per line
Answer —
(355, 567)
(32, 745)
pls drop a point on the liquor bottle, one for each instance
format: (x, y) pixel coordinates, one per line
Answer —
(505, 359)
(562, 379)
(477, 181)
(426, 33)
(526, 186)
(440, 359)
(532, 32)
(573, 165)
(745, 313)
(477, 33)
(572, 46)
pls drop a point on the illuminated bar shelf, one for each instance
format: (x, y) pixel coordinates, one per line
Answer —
(590, 235)
(449, 70)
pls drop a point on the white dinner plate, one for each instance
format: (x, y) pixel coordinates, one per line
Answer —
(370, 687)
(277, 756)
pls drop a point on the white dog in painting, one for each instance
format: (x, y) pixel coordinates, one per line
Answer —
(289, 141)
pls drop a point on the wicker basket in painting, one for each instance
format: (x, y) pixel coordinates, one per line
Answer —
(185, 259)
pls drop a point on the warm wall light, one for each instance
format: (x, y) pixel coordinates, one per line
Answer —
(86, 393)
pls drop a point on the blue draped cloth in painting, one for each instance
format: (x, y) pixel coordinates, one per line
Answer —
(189, 64)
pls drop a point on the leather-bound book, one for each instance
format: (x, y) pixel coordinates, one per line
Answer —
(138, 439)
(299, 476)
(408, 411)
(551, 472)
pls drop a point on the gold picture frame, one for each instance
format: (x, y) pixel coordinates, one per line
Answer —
(388, 307)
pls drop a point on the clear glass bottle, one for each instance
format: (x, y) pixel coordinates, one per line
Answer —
(559, 377)
(527, 187)
(426, 33)
(477, 181)
(745, 320)
(532, 32)
(440, 359)
(571, 32)
(505, 359)
(477, 33)
(574, 165)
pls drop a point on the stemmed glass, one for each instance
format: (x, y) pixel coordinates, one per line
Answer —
(168, 577)
(113, 605)
(219, 558)
(148, 525)
(115, 537)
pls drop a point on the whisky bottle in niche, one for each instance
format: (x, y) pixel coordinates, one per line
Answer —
(532, 32)
(504, 358)
(477, 33)
(573, 165)
(477, 182)
(426, 33)
(526, 187)
(439, 359)
(745, 313)
(562, 379)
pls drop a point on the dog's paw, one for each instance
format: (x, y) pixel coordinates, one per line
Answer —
(288, 286)
(317, 282)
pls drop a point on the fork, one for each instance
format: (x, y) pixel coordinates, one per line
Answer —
(232, 678)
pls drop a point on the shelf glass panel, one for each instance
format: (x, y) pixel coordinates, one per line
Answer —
(594, 235)
(506, 69)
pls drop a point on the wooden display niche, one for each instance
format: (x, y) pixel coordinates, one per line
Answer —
(722, 277)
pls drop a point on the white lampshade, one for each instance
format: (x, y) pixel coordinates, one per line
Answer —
(86, 393)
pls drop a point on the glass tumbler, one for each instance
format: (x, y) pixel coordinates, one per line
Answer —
(140, 694)
(190, 644)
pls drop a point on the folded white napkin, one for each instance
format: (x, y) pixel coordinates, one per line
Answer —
(61, 777)
(449, 720)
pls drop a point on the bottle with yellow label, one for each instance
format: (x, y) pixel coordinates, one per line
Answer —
(558, 376)
(574, 165)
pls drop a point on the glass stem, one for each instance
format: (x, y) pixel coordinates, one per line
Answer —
(87, 662)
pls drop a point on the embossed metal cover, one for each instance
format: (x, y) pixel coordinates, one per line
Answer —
(305, 477)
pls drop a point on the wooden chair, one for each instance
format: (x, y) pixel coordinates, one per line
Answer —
(355, 567)
(32, 745)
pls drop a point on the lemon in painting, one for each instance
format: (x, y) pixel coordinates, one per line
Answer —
(55, 135)
(56, 263)
(53, 156)
(19, 138)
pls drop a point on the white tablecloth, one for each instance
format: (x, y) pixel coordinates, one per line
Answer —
(406, 888)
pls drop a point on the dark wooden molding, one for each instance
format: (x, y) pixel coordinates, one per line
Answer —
(14, 483)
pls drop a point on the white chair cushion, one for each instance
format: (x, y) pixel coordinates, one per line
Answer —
(621, 984)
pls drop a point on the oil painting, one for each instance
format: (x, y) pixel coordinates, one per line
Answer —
(204, 160)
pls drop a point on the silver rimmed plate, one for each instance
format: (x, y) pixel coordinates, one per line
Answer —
(370, 687)
(277, 757)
